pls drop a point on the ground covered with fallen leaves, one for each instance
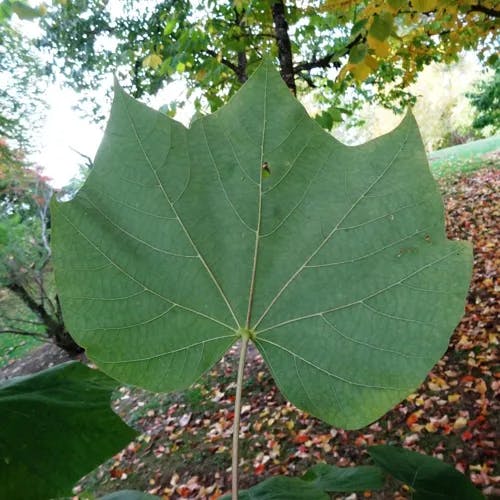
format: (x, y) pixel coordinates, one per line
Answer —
(184, 448)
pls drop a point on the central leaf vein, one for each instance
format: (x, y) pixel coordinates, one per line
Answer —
(259, 211)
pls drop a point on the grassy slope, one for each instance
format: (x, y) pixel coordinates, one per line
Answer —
(463, 158)
(15, 346)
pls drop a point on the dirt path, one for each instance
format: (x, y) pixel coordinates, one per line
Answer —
(39, 359)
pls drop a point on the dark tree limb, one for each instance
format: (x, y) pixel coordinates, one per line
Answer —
(330, 59)
(33, 305)
(240, 71)
(307, 78)
(54, 327)
(242, 67)
(323, 62)
(242, 55)
(485, 10)
(284, 45)
(473, 8)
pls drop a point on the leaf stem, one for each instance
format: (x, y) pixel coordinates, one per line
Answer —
(236, 422)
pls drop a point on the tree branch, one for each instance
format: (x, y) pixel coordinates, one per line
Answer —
(284, 45)
(34, 306)
(328, 60)
(241, 76)
(242, 55)
(307, 78)
(485, 10)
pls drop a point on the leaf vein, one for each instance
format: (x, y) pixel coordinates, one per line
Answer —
(186, 232)
(226, 195)
(333, 231)
(370, 254)
(134, 237)
(161, 355)
(135, 280)
(371, 346)
(331, 374)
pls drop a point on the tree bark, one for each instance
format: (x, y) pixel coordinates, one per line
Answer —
(284, 45)
(55, 329)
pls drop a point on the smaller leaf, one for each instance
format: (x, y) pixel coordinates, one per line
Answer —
(380, 47)
(358, 27)
(361, 71)
(281, 488)
(381, 27)
(325, 120)
(346, 479)
(152, 61)
(424, 5)
(431, 478)
(358, 53)
(398, 4)
(24, 11)
(128, 495)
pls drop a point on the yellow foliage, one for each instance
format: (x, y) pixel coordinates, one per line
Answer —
(424, 5)
(338, 4)
(152, 61)
(381, 48)
(371, 62)
(361, 71)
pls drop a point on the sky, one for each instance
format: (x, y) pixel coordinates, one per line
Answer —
(66, 134)
(62, 135)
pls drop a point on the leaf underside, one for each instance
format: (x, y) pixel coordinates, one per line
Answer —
(334, 257)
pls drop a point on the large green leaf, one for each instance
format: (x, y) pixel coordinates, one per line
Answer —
(430, 478)
(56, 426)
(332, 258)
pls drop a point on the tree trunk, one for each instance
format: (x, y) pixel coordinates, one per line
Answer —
(284, 45)
(65, 341)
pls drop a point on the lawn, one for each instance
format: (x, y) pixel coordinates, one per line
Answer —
(12, 346)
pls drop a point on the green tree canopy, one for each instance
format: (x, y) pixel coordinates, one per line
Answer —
(325, 47)
(21, 88)
(486, 101)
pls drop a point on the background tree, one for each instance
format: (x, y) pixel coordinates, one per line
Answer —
(323, 47)
(486, 101)
(22, 87)
(25, 269)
